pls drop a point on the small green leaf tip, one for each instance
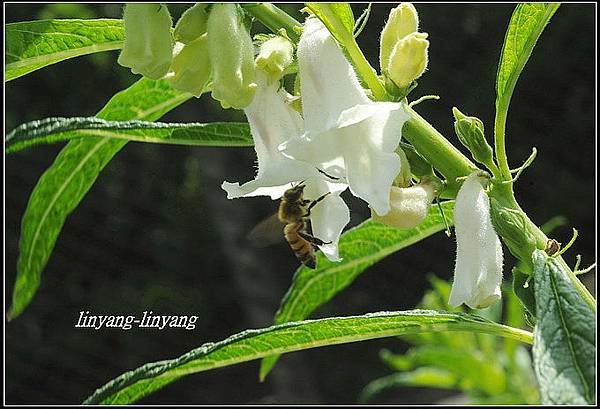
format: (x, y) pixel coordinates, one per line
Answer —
(148, 47)
(232, 57)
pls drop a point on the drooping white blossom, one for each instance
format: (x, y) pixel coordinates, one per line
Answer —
(478, 270)
(346, 135)
(272, 121)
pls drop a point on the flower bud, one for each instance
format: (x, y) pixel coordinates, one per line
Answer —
(409, 206)
(190, 70)
(275, 55)
(148, 47)
(478, 269)
(408, 59)
(402, 21)
(191, 24)
(469, 130)
(232, 57)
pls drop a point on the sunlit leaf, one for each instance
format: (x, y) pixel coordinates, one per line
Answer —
(295, 336)
(51, 130)
(61, 188)
(525, 27)
(360, 248)
(32, 45)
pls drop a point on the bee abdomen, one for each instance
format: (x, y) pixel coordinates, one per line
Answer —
(303, 250)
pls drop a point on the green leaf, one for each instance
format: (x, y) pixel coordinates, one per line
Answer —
(564, 336)
(32, 45)
(51, 130)
(289, 337)
(472, 368)
(360, 248)
(65, 183)
(337, 17)
(523, 287)
(525, 27)
(421, 377)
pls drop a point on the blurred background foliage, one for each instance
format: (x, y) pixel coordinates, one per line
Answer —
(156, 231)
(489, 370)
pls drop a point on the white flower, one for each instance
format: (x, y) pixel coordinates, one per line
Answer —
(346, 135)
(272, 121)
(478, 272)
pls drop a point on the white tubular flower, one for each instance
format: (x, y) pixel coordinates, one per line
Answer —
(347, 135)
(478, 272)
(272, 121)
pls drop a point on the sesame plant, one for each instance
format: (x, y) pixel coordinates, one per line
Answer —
(321, 117)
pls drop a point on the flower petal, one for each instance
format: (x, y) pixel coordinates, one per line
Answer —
(329, 217)
(370, 175)
(382, 121)
(478, 269)
(272, 121)
(347, 135)
(328, 83)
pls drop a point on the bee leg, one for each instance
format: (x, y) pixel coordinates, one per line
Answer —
(312, 239)
(314, 203)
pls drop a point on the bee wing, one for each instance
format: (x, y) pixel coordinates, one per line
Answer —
(268, 232)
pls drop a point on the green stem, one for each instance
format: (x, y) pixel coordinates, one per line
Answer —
(500, 145)
(274, 19)
(364, 69)
(444, 156)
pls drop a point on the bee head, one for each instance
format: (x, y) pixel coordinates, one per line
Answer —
(294, 193)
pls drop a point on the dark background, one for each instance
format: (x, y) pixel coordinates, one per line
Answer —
(156, 231)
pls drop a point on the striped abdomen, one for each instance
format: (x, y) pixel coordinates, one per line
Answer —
(303, 250)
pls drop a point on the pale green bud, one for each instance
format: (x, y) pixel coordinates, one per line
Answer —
(148, 47)
(191, 24)
(408, 59)
(190, 70)
(232, 57)
(275, 55)
(402, 21)
(470, 132)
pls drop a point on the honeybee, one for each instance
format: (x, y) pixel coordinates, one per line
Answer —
(293, 213)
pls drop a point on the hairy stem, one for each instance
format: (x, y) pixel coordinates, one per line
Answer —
(448, 160)
(274, 19)
(500, 145)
